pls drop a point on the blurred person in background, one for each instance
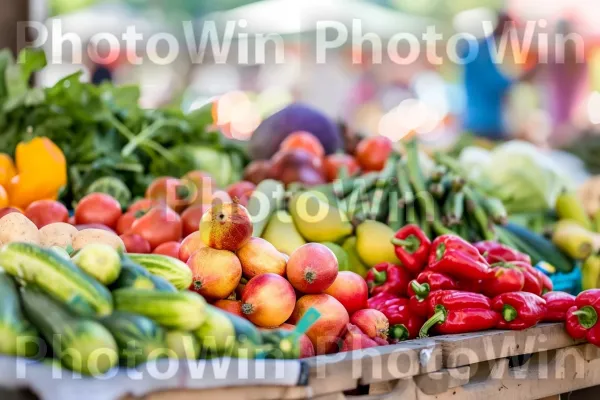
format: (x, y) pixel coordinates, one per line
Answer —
(487, 82)
(566, 81)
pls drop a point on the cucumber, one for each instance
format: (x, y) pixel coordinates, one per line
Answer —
(264, 201)
(183, 345)
(58, 277)
(225, 334)
(135, 276)
(139, 338)
(81, 345)
(180, 310)
(173, 270)
(17, 336)
(544, 249)
(100, 261)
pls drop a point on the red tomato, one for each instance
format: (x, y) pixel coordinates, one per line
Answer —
(171, 191)
(44, 212)
(191, 217)
(135, 244)
(335, 162)
(305, 141)
(142, 205)
(98, 208)
(8, 210)
(168, 249)
(242, 191)
(373, 152)
(126, 220)
(159, 225)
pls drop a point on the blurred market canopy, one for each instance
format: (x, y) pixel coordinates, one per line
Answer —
(289, 17)
(444, 10)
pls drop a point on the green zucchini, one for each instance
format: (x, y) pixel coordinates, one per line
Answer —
(58, 277)
(18, 337)
(82, 345)
(173, 270)
(225, 334)
(100, 261)
(544, 249)
(183, 345)
(139, 338)
(135, 276)
(179, 310)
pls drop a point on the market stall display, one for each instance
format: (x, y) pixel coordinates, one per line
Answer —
(146, 246)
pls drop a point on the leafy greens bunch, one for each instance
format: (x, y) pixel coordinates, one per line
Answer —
(103, 131)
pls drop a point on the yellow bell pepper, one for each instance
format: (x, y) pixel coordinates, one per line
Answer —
(3, 197)
(42, 172)
(7, 169)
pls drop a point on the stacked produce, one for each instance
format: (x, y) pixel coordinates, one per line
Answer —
(374, 192)
(105, 134)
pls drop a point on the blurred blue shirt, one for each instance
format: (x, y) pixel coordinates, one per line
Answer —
(485, 89)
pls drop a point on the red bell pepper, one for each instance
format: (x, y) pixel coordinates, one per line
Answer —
(404, 324)
(412, 246)
(582, 318)
(452, 312)
(531, 281)
(545, 281)
(387, 277)
(520, 310)
(507, 278)
(536, 281)
(434, 281)
(377, 300)
(557, 305)
(454, 256)
(495, 252)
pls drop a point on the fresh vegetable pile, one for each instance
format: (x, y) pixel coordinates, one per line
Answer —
(372, 194)
(104, 134)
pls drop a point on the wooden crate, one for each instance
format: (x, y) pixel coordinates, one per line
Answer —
(539, 363)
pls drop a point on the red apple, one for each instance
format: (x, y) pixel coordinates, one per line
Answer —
(351, 290)
(372, 322)
(170, 191)
(312, 268)
(170, 249)
(257, 171)
(355, 339)
(241, 191)
(8, 210)
(215, 273)
(226, 226)
(268, 300)
(126, 220)
(190, 218)
(231, 306)
(335, 162)
(135, 243)
(297, 166)
(191, 244)
(331, 325)
(259, 257)
(44, 212)
(201, 184)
